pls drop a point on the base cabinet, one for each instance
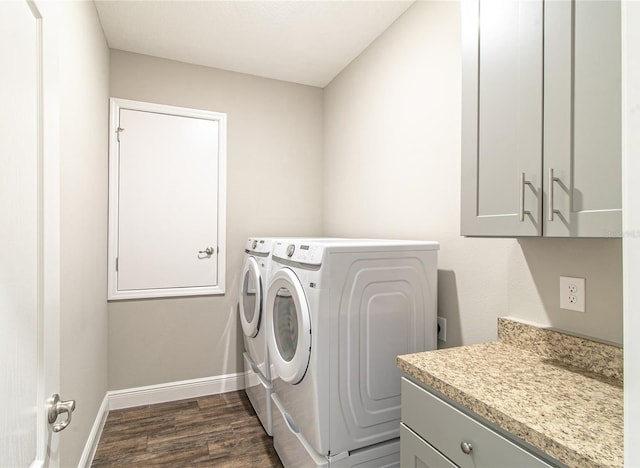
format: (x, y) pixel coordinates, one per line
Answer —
(436, 434)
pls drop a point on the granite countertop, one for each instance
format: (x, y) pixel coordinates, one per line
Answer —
(561, 394)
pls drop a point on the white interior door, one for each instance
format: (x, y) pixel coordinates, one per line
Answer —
(26, 343)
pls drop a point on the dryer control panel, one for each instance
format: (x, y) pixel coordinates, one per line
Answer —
(258, 246)
(300, 252)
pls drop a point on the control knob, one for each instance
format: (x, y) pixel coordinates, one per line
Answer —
(290, 249)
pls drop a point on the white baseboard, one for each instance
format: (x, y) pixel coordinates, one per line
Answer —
(173, 391)
(94, 436)
(161, 393)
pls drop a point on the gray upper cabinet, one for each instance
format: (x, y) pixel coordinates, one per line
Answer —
(502, 117)
(541, 97)
(582, 119)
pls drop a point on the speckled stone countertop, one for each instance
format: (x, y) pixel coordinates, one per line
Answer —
(561, 394)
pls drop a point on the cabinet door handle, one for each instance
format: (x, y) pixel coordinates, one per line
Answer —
(523, 183)
(550, 210)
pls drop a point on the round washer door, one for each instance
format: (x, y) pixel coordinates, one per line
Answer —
(288, 326)
(250, 298)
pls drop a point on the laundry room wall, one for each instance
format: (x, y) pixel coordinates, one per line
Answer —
(83, 59)
(274, 187)
(392, 169)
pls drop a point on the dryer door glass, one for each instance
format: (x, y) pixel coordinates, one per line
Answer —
(286, 322)
(250, 298)
(288, 325)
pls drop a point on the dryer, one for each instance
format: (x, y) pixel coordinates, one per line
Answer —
(255, 271)
(338, 313)
(257, 368)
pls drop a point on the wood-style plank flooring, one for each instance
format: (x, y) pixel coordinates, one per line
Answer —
(218, 430)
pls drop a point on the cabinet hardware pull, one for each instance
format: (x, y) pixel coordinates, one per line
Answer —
(466, 447)
(550, 210)
(523, 182)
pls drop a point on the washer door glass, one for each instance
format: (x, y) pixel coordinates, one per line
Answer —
(289, 326)
(286, 322)
(250, 298)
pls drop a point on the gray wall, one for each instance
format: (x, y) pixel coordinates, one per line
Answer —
(376, 154)
(274, 187)
(392, 169)
(84, 91)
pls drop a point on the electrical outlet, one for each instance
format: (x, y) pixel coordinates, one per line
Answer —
(442, 329)
(572, 293)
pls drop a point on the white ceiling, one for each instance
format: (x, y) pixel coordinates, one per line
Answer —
(306, 42)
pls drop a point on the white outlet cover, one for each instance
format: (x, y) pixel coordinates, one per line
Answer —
(572, 293)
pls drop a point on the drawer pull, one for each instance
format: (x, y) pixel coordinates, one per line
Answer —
(466, 447)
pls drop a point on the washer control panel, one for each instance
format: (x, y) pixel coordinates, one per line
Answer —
(299, 252)
(291, 248)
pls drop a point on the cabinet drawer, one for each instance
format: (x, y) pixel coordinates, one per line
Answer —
(446, 428)
(416, 453)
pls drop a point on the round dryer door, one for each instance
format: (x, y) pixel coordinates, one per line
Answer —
(289, 326)
(250, 298)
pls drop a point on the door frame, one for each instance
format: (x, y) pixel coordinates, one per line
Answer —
(47, 452)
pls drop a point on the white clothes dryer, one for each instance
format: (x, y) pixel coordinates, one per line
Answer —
(257, 368)
(338, 313)
(257, 265)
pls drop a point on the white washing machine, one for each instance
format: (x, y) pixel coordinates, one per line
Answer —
(338, 312)
(257, 368)
(257, 261)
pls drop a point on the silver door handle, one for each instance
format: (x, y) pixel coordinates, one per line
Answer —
(56, 408)
(208, 251)
(550, 210)
(522, 211)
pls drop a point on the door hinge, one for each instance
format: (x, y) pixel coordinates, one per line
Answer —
(117, 263)
(118, 130)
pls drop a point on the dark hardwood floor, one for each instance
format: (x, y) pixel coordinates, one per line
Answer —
(218, 430)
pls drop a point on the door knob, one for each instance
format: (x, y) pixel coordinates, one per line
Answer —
(56, 408)
(208, 251)
(466, 447)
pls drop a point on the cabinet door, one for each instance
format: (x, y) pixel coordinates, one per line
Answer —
(582, 119)
(416, 453)
(502, 117)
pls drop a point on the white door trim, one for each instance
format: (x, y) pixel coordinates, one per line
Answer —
(116, 104)
(49, 227)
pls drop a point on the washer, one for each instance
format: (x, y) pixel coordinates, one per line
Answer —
(257, 263)
(338, 312)
(257, 368)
